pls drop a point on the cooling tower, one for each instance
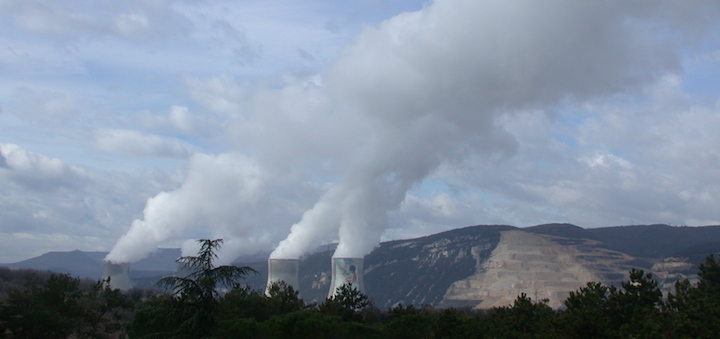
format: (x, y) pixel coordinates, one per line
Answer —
(347, 271)
(119, 274)
(283, 270)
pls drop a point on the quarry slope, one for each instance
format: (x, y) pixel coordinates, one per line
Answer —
(538, 266)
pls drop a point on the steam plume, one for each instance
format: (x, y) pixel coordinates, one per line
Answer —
(420, 90)
(432, 84)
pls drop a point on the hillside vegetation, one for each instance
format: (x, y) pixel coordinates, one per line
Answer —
(53, 305)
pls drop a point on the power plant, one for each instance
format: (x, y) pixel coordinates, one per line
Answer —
(283, 270)
(119, 274)
(344, 271)
(347, 271)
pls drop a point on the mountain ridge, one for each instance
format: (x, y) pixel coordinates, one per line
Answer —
(475, 266)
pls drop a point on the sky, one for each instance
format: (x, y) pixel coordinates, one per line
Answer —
(284, 125)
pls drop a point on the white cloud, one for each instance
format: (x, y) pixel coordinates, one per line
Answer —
(644, 161)
(142, 144)
(80, 19)
(36, 171)
(179, 120)
(50, 205)
(46, 107)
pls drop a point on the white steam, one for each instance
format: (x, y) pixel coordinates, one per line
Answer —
(420, 90)
(432, 83)
(214, 195)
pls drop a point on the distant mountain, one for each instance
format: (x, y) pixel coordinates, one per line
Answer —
(89, 264)
(654, 241)
(477, 266)
(77, 263)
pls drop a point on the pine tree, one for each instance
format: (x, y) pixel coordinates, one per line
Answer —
(194, 297)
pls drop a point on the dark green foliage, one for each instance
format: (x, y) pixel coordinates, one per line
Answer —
(709, 283)
(301, 324)
(419, 325)
(202, 284)
(242, 302)
(634, 310)
(283, 298)
(640, 293)
(304, 325)
(401, 310)
(588, 312)
(636, 307)
(62, 308)
(232, 328)
(600, 311)
(695, 310)
(524, 319)
(347, 302)
(191, 310)
(52, 311)
(159, 317)
(105, 311)
(283, 314)
(454, 324)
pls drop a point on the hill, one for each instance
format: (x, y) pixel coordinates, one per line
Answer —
(89, 264)
(478, 266)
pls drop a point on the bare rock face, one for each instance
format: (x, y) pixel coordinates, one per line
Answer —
(538, 266)
(672, 269)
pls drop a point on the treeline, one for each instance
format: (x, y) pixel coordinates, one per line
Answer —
(210, 303)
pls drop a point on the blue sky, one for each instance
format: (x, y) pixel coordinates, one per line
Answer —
(289, 124)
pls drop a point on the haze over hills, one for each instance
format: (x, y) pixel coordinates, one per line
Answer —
(477, 266)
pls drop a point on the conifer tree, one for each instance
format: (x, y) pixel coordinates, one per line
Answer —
(194, 297)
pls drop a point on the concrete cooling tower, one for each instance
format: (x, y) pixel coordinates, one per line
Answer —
(119, 275)
(347, 271)
(283, 270)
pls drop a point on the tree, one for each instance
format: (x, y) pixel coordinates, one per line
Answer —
(710, 277)
(50, 311)
(243, 302)
(453, 323)
(104, 311)
(695, 309)
(347, 302)
(283, 298)
(524, 319)
(61, 307)
(587, 313)
(418, 325)
(194, 297)
(636, 307)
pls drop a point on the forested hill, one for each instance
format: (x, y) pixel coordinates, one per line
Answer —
(478, 266)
